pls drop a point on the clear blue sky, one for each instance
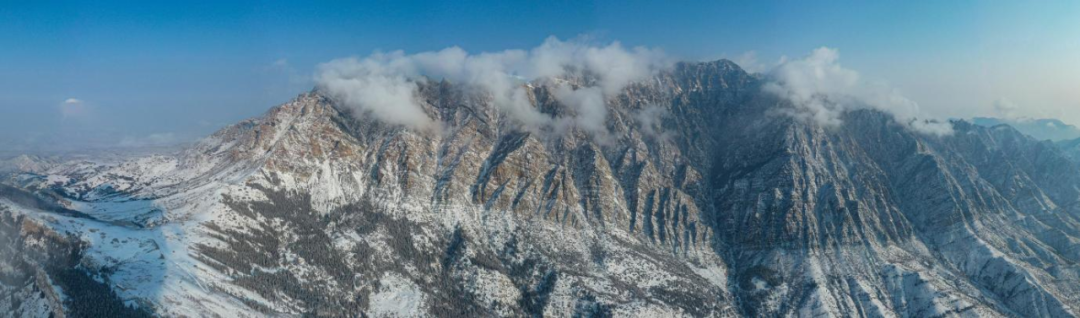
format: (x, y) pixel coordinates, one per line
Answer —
(181, 70)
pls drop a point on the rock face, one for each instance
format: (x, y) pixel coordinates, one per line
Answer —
(701, 199)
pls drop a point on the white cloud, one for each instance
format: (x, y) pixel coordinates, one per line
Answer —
(588, 106)
(1006, 109)
(72, 107)
(651, 120)
(822, 91)
(372, 86)
(384, 84)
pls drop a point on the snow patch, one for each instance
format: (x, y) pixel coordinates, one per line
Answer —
(397, 297)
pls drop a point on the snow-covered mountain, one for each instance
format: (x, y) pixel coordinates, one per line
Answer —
(703, 200)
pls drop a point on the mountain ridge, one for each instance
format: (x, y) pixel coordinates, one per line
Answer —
(720, 207)
(1041, 129)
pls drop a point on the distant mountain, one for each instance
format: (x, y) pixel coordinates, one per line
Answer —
(719, 207)
(1041, 129)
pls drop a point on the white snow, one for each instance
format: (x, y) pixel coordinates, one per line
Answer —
(397, 297)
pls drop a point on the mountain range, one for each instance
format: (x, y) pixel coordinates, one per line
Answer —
(1041, 129)
(703, 199)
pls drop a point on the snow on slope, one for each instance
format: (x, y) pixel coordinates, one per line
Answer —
(311, 209)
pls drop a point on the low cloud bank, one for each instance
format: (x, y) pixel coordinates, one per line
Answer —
(822, 91)
(385, 84)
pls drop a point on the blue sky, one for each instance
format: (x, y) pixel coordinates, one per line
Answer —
(145, 72)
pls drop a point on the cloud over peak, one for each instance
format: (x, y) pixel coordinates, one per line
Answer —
(384, 84)
(822, 90)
